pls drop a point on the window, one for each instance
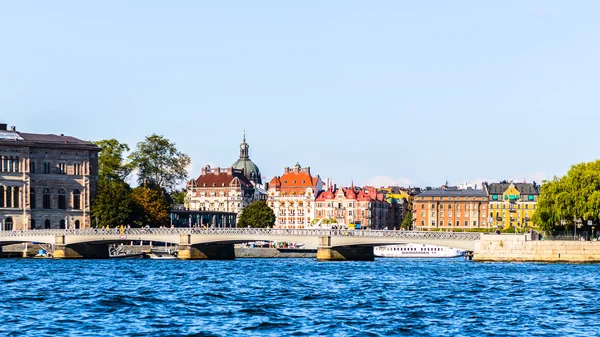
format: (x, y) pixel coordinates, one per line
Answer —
(76, 199)
(8, 197)
(457, 223)
(422, 223)
(1, 196)
(62, 224)
(8, 224)
(32, 225)
(526, 206)
(62, 200)
(32, 166)
(46, 200)
(466, 223)
(449, 206)
(46, 167)
(422, 206)
(441, 222)
(32, 201)
(16, 197)
(47, 224)
(62, 168)
(77, 169)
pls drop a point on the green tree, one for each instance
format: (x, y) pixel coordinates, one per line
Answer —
(178, 197)
(111, 162)
(159, 164)
(152, 207)
(113, 205)
(407, 221)
(257, 215)
(574, 198)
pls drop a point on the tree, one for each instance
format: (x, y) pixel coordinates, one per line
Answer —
(159, 164)
(113, 205)
(111, 163)
(257, 215)
(570, 200)
(178, 197)
(407, 221)
(152, 207)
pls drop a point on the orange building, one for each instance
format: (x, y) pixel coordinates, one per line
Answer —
(451, 208)
(292, 197)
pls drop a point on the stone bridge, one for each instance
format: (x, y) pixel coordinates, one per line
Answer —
(217, 243)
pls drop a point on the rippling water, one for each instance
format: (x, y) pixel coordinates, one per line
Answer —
(248, 297)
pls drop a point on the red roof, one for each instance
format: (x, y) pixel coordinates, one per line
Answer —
(223, 178)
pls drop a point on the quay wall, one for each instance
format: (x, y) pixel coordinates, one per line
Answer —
(506, 248)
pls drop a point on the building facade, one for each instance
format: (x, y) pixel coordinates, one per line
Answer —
(353, 207)
(292, 197)
(512, 204)
(451, 208)
(46, 181)
(221, 190)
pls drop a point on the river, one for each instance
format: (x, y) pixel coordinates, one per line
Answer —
(298, 297)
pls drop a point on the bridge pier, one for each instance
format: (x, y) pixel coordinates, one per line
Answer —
(79, 251)
(188, 251)
(350, 253)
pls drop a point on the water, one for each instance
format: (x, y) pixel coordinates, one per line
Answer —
(298, 297)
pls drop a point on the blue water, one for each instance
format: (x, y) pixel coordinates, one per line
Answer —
(298, 297)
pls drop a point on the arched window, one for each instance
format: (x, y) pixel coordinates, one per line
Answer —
(16, 197)
(9, 192)
(8, 224)
(32, 225)
(62, 224)
(46, 199)
(1, 196)
(32, 200)
(76, 224)
(76, 199)
(47, 224)
(62, 199)
(5, 168)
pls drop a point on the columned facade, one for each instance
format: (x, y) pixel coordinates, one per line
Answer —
(46, 181)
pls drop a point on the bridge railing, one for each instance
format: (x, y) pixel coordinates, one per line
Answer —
(265, 232)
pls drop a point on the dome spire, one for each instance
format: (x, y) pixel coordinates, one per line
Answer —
(244, 148)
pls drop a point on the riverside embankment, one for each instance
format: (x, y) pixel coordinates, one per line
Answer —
(506, 248)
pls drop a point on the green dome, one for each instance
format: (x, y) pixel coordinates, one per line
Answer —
(251, 171)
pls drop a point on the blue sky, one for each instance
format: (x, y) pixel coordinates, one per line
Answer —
(371, 91)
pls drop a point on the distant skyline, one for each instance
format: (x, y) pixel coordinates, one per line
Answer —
(382, 92)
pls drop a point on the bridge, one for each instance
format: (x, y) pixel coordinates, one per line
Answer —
(217, 243)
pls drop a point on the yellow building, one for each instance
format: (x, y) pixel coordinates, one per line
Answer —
(512, 204)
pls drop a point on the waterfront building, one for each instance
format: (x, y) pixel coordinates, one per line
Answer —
(352, 206)
(46, 180)
(292, 197)
(400, 200)
(220, 189)
(450, 208)
(512, 204)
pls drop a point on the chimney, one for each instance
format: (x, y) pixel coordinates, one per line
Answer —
(3, 127)
(13, 128)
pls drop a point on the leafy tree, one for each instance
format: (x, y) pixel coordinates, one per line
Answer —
(257, 215)
(159, 164)
(569, 199)
(152, 207)
(111, 163)
(178, 197)
(113, 205)
(407, 221)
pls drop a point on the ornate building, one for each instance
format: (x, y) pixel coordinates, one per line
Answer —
(450, 207)
(46, 181)
(222, 190)
(353, 206)
(512, 204)
(292, 197)
(251, 171)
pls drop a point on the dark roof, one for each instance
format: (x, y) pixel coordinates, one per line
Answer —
(24, 138)
(523, 188)
(453, 193)
(223, 178)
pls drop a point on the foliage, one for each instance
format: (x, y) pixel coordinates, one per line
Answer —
(111, 164)
(575, 196)
(257, 215)
(407, 221)
(159, 164)
(178, 197)
(152, 207)
(113, 205)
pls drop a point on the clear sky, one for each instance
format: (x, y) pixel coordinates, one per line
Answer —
(414, 92)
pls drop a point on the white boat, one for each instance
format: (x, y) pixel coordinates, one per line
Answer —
(417, 250)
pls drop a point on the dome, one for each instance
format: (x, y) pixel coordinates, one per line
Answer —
(251, 171)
